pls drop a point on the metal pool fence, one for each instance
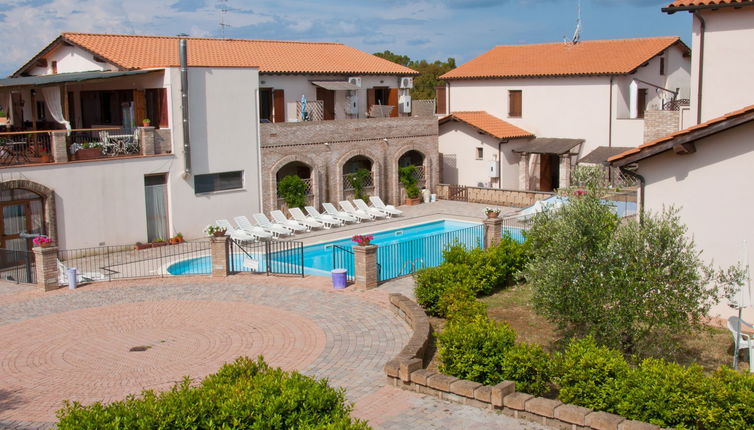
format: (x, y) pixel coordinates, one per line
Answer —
(17, 266)
(342, 258)
(276, 257)
(109, 263)
(405, 258)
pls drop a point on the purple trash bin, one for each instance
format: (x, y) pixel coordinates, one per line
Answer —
(339, 278)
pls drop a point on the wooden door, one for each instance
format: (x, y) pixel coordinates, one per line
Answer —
(328, 100)
(392, 100)
(545, 173)
(278, 101)
(440, 99)
(16, 219)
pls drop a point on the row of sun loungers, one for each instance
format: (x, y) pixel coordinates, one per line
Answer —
(281, 225)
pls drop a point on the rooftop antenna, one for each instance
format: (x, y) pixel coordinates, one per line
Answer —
(223, 6)
(577, 33)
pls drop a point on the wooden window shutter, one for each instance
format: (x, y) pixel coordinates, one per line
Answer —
(514, 103)
(140, 107)
(441, 100)
(371, 98)
(278, 102)
(641, 102)
(392, 100)
(163, 97)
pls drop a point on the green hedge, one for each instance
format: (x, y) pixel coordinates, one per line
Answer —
(243, 395)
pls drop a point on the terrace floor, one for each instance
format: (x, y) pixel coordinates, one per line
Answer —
(77, 344)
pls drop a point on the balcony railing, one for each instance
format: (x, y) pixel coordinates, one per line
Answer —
(24, 147)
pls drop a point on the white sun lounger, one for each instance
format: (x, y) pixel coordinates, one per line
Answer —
(324, 218)
(311, 222)
(345, 216)
(362, 206)
(268, 225)
(379, 204)
(281, 219)
(245, 224)
(358, 213)
(242, 234)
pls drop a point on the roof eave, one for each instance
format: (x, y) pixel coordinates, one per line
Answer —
(60, 39)
(673, 9)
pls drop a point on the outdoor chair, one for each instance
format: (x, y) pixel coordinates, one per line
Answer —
(330, 209)
(324, 218)
(311, 222)
(241, 234)
(360, 214)
(245, 224)
(745, 341)
(379, 204)
(268, 225)
(294, 225)
(362, 206)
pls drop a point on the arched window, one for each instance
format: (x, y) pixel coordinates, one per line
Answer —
(22, 217)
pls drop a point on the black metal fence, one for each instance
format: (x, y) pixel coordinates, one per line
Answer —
(17, 266)
(276, 257)
(342, 258)
(109, 263)
(405, 258)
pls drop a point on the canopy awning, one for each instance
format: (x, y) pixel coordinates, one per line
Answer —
(546, 145)
(60, 78)
(602, 153)
(335, 85)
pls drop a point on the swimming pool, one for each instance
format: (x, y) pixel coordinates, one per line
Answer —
(401, 250)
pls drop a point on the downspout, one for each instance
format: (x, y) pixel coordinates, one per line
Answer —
(642, 183)
(500, 163)
(610, 117)
(259, 151)
(702, 28)
(185, 108)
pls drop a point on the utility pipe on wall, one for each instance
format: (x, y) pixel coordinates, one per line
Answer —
(700, 69)
(185, 108)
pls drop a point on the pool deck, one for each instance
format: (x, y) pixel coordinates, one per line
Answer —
(412, 215)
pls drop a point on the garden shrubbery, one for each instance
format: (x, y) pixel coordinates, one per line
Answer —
(244, 394)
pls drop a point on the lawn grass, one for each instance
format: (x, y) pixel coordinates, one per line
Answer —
(711, 348)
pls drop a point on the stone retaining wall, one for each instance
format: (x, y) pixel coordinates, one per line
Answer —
(496, 196)
(407, 371)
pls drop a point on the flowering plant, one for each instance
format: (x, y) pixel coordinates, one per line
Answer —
(362, 240)
(41, 240)
(492, 210)
(212, 229)
(579, 193)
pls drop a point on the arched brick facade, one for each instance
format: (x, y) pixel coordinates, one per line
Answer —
(270, 179)
(370, 154)
(48, 202)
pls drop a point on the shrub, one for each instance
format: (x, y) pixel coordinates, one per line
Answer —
(407, 178)
(460, 304)
(292, 189)
(625, 283)
(494, 268)
(244, 394)
(589, 374)
(358, 180)
(433, 282)
(530, 366)
(475, 350)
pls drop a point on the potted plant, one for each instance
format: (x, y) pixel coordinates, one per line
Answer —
(362, 239)
(492, 212)
(175, 240)
(146, 122)
(407, 177)
(44, 156)
(139, 246)
(42, 241)
(358, 180)
(89, 151)
(159, 242)
(214, 230)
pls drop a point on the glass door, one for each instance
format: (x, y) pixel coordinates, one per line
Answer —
(155, 193)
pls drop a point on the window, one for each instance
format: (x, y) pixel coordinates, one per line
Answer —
(662, 66)
(54, 67)
(265, 104)
(218, 182)
(381, 96)
(40, 110)
(514, 103)
(479, 153)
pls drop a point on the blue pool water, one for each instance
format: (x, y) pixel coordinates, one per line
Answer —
(399, 250)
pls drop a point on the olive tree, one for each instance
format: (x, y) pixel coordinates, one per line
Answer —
(625, 283)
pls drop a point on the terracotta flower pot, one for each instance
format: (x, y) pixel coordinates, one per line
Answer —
(88, 154)
(45, 245)
(220, 233)
(413, 202)
(493, 214)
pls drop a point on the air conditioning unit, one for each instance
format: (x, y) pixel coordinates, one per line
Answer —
(407, 83)
(493, 170)
(355, 80)
(404, 104)
(352, 104)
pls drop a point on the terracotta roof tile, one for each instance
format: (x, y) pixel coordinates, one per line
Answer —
(686, 4)
(489, 124)
(138, 52)
(685, 131)
(597, 57)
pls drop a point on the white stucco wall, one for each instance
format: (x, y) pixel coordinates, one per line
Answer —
(712, 188)
(297, 85)
(727, 58)
(71, 59)
(459, 139)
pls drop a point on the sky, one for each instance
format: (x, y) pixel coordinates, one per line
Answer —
(421, 29)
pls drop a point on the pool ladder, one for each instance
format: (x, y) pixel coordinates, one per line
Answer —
(413, 265)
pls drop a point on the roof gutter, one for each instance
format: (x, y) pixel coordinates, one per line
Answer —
(673, 9)
(185, 108)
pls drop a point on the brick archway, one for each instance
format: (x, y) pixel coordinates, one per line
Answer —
(48, 202)
(271, 179)
(376, 171)
(394, 185)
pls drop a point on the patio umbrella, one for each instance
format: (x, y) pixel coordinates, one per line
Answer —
(741, 299)
(303, 107)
